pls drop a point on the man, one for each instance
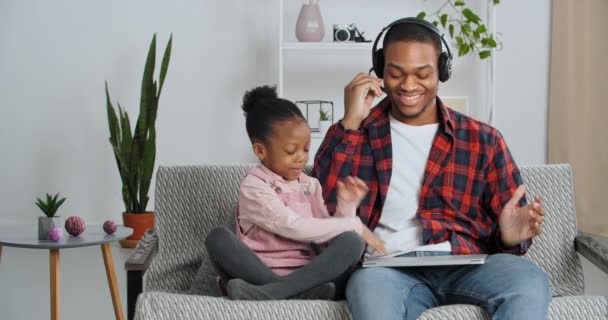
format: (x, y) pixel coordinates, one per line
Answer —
(440, 183)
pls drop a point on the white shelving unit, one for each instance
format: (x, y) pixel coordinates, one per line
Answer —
(298, 51)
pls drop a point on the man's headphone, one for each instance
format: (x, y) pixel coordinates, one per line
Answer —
(445, 58)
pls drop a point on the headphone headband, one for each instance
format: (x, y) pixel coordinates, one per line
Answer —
(445, 63)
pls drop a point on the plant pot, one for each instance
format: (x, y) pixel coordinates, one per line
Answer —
(45, 224)
(139, 222)
(324, 126)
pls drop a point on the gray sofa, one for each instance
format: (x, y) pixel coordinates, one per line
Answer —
(191, 200)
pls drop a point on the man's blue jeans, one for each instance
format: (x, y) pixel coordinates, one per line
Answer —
(506, 286)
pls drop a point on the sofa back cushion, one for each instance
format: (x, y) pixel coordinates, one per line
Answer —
(192, 200)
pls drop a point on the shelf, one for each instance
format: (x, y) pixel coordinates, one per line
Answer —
(367, 46)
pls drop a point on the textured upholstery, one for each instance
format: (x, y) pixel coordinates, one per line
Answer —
(191, 200)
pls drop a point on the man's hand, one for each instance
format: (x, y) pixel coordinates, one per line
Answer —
(352, 190)
(520, 224)
(358, 97)
(370, 238)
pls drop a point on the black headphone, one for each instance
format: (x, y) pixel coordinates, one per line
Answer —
(445, 58)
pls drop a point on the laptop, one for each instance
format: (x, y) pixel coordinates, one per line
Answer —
(426, 261)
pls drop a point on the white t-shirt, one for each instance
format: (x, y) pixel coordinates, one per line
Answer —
(399, 227)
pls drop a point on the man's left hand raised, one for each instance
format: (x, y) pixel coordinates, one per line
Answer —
(520, 224)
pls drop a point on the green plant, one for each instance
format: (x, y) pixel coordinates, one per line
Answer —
(135, 154)
(50, 206)
(465, 27)
(323, 115)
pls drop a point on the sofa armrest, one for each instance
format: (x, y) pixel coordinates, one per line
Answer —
(140, 258)
(594, 248)
(136, 265)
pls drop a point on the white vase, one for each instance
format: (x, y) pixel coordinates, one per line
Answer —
(324, 126)
(45, 224)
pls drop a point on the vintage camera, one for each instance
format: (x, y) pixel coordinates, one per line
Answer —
(345, 32)
(348, 33)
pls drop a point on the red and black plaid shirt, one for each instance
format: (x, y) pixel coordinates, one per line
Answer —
(469, 176)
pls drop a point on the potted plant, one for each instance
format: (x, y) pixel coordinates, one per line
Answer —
(135, 152)
(49, 220)
(324, 120)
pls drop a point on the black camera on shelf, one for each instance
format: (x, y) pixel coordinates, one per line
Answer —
(348, 33)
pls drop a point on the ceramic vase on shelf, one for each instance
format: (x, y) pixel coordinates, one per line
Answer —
(309, 27)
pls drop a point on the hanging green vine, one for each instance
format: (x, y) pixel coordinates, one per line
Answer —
(465, 27)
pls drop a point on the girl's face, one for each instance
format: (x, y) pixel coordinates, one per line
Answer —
(286, 151)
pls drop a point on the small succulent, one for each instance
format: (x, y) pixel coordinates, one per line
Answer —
(323, 115)
(50, 206)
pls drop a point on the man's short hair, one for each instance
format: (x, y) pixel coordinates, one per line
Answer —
(413, 33)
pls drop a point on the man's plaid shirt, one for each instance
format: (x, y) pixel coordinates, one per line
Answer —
(469, 176)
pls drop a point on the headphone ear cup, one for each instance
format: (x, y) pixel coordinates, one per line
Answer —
(379, 63)
(445, 67)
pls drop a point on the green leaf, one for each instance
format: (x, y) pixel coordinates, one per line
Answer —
(459, 3)
(484, 54)
(496, 2)
(466, 29)
(421, 15)
(435, 23)
(471, 16)
(60, 203)
(459, 41)
(463, 50)
(488, 42)
(147, 168)
(165, 65)
(481, 29)
(444, 19)
(451, 31)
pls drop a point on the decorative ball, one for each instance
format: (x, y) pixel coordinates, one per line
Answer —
(75, 225)
(109, 227)
(56, 234)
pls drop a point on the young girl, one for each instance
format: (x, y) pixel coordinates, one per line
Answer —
(282, 221)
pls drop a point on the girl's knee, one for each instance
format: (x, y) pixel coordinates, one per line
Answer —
(218, 237)
(351, 242)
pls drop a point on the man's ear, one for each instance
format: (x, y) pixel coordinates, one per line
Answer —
(260, 150)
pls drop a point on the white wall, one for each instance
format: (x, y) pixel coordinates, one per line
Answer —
(522, 78)
(55, 56)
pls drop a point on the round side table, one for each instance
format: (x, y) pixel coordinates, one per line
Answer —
(25, 236)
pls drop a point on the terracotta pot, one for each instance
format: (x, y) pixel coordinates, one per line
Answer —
(139, 222)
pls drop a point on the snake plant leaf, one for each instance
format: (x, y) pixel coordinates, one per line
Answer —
(147, 167)
(165, 65)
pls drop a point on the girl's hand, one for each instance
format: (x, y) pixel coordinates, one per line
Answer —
(370, 238)
(352, 190)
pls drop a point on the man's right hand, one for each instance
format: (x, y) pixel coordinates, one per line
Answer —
(358, 97)
(370, 238)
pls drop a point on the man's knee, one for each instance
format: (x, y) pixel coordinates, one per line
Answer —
(528, 280)
(533, 284)
(387, 293)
